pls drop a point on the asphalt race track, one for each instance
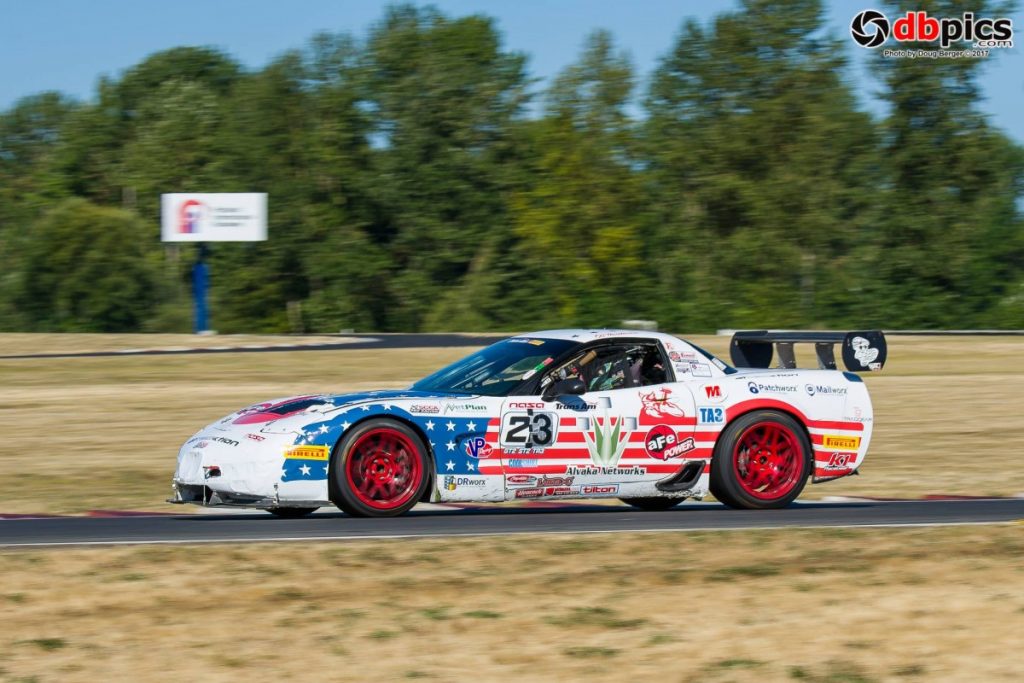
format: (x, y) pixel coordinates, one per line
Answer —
(352, 342)
(482, 521)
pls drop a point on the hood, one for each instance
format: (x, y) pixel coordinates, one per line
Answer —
(262, 415)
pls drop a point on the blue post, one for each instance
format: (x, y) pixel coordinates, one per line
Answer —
(200, 282)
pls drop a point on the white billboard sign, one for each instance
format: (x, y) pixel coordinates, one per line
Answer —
(222, 217)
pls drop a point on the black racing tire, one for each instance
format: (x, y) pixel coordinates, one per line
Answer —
(380, 468)
(291, 513)
(761, 461)
(653, 504)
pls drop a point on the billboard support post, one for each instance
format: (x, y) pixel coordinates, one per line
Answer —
(200, 285)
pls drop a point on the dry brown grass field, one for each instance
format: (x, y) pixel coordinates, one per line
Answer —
(803, 605)
(799, 605)
(102, 433)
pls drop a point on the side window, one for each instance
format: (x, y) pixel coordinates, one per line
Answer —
(650, 366)
(618, 366)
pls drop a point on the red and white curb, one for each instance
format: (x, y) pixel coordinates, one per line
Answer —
(929, 496)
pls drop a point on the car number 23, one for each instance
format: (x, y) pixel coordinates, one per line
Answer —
(528, 429)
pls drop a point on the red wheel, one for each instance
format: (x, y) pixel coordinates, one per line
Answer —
(761, 461)
(379, 469)
(767, 460)
(384, 468)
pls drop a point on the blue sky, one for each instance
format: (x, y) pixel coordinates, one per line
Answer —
(66, 45)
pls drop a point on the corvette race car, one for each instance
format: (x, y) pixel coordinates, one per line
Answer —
(645, 417)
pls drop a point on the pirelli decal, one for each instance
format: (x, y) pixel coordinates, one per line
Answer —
(307, 453)
(842, 443)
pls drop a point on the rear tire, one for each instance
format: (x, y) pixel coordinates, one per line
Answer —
(291, 513)
(761, 461)
(380, 468)
(653, 504)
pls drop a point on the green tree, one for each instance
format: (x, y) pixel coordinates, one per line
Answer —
(443, 95)
(951, 244)
(297, 133)
(85, 270)
(29, 135)
(410, 190)
(347, 266)
(92, 149)
(176, 147)
(763, 169)
(580, 221)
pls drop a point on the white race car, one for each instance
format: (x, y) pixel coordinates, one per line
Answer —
(642, 416)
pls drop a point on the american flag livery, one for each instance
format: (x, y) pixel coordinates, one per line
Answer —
(757, 429)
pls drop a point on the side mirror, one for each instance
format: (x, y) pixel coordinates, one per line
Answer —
(573, 386)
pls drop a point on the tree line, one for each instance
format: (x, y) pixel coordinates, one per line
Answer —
(416, 182)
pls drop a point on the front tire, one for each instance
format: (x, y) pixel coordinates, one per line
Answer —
(653, 504)
(762, 460)
(380, 468)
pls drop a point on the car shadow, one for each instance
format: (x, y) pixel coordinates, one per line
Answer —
(498, 509)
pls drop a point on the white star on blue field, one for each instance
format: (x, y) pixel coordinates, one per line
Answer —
(449, 439)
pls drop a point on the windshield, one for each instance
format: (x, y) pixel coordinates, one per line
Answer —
(498, 369)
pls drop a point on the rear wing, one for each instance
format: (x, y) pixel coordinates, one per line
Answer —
(861, 352)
